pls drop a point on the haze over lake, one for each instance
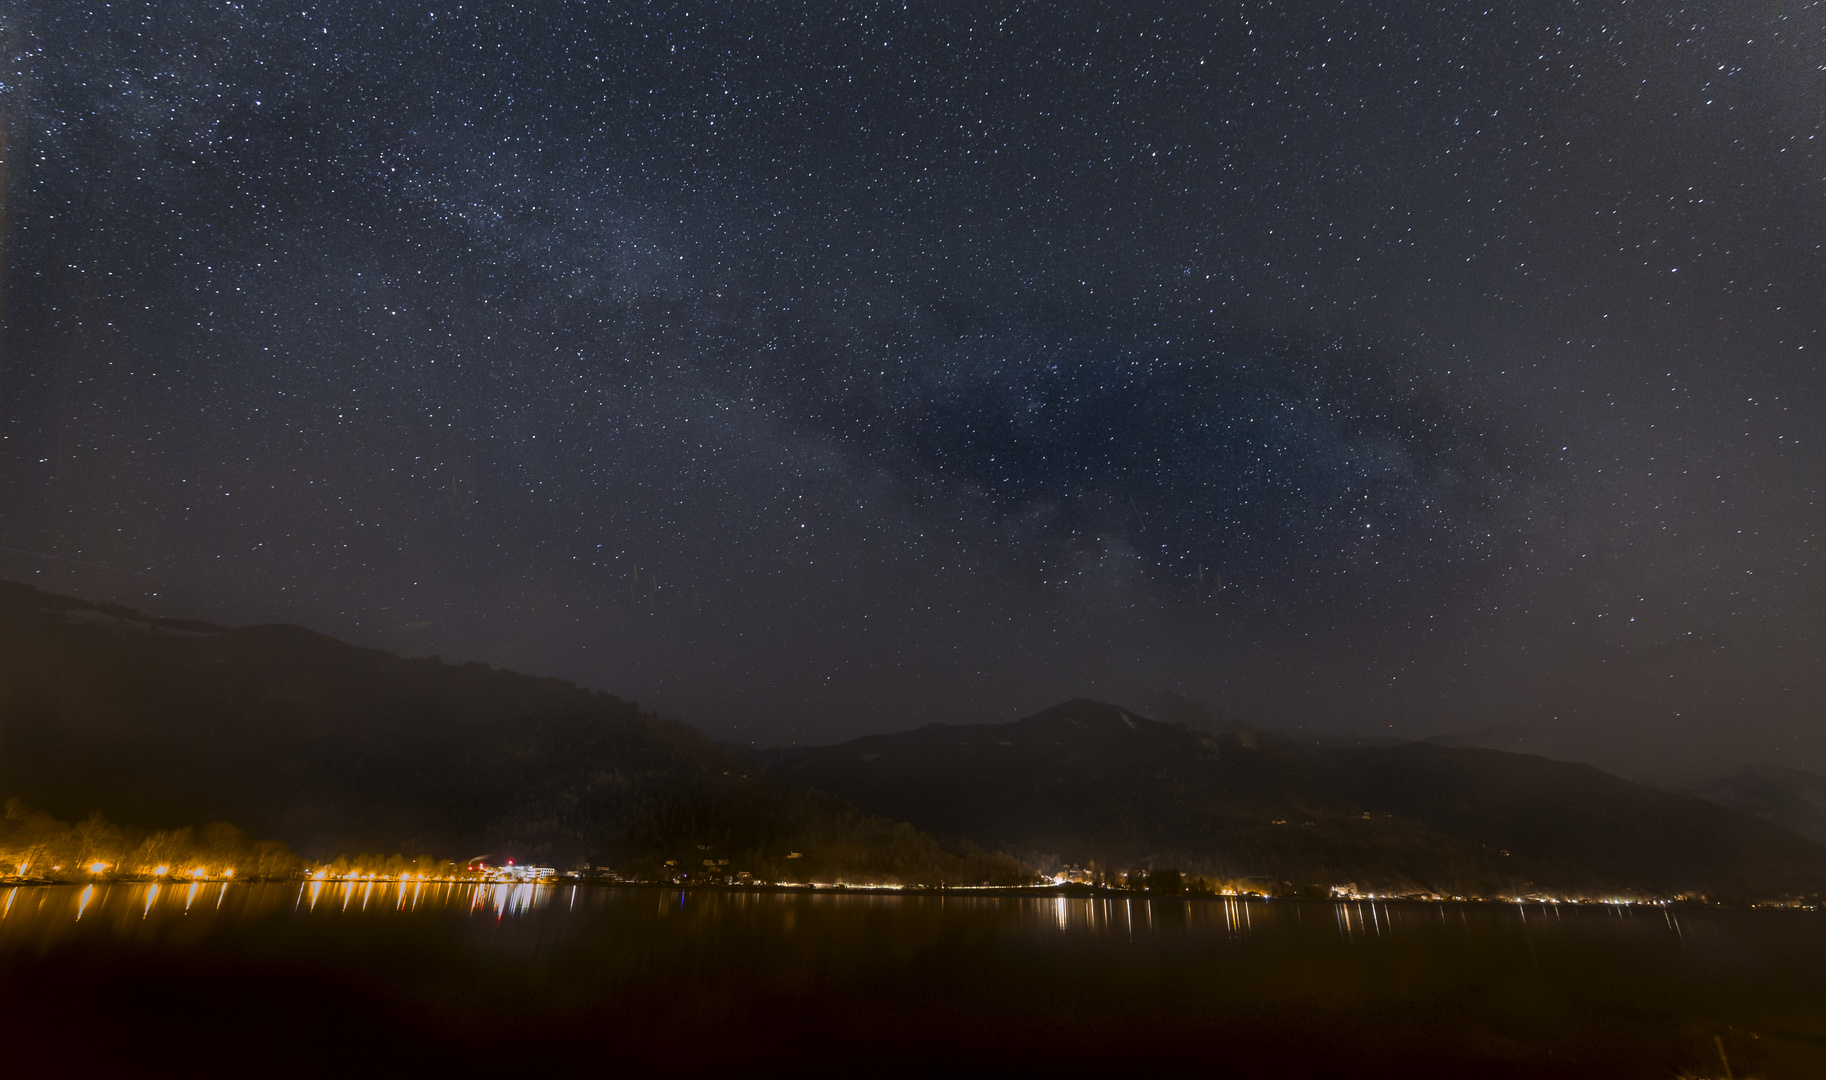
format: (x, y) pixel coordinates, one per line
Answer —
(403, 973)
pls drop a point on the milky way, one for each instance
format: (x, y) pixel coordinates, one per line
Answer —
(809, 370)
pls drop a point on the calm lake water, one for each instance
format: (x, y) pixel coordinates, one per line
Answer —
(297, 978)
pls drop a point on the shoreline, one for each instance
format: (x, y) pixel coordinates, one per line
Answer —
(1040, 892)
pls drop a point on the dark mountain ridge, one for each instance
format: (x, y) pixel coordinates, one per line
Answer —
(1792, 798)
(1086, 782)
(335, 748)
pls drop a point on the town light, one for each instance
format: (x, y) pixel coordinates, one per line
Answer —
(97, 867)
(160, 871)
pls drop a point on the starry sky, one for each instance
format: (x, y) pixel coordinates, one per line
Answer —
(805, 370)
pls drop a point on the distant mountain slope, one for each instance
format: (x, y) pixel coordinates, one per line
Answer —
(1792, 798)
(1087, 781)
(292, 734)
(333, 748)
(303, 736)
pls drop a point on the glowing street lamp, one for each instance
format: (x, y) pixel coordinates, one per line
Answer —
(97, 867)
(160, 871)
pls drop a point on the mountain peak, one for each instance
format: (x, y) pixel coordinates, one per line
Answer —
(1088, 716)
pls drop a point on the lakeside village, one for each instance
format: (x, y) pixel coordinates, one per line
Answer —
(36, 849)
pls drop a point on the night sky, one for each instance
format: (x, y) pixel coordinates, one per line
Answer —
(809, 370)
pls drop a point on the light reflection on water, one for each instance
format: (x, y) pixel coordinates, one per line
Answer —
(44, 913)
(1107, 915)
(41, 915)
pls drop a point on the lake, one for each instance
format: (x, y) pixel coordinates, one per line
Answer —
(296, 978)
